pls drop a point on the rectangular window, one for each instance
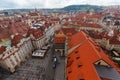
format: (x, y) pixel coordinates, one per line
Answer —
(12, 62)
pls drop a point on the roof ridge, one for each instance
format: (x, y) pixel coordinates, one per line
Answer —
(77, 46)
(95, 48)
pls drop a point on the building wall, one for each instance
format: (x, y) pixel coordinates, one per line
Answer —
(60, 49)
(49, 33)
(8, 60)
(13, 56)
(98, 40)
(115, 46)
(39, 43)
(105, 43)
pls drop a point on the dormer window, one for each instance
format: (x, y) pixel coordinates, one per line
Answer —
(99, 63)
(10, 51)
(79, 65)
(76, 51)
(77, 57)
(69, 72)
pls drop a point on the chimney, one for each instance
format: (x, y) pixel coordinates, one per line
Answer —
(12, 36)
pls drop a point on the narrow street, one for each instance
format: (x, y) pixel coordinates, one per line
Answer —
(32, 69)
(38, 69)
(60, 69)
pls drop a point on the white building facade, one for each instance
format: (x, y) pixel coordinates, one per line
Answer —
(11, 58)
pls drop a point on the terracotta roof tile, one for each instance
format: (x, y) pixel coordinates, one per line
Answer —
(68, 30)
(2, 49)
(81, 60)
(37, 33)
(94, 25)
(75, 40)
(60, 38)
(13, 28)
(16, 39)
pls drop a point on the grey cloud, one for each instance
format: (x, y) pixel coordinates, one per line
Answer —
(52, 3)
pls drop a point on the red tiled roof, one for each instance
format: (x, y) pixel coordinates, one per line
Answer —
(13, 28)
(114, 40)
(116, 32)
(66, 19)
(92, 25)
(75, 40)
(80, 62)
(37, 33)
(66, 24)
(60, 38)
(2, 49)
(96, 34)
(4, 33)
(117, 15)
(99, 35)
(0, 40)
(68, 30)
(97, 16)
(55, 19)
(16, 39)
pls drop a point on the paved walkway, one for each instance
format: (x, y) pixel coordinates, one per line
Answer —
(32, 69)
(60, 69)
(38, 69)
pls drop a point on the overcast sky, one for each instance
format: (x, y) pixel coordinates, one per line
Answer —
(7, 4)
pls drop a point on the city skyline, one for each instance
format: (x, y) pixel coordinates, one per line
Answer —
(17, 4)
(59, 40)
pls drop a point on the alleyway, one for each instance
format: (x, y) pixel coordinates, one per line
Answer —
(38, 69)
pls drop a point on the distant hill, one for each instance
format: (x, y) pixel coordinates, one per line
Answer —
(67, 8)
(17, 10)
(81, 7)
(26, 10)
